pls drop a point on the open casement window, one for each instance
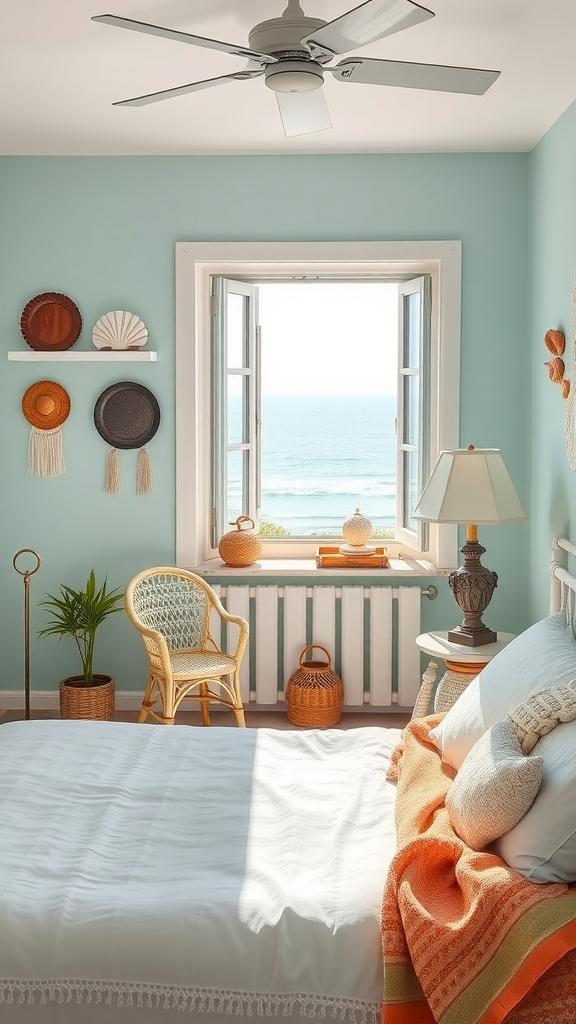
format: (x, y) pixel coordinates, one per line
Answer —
(236, 416)
(413, 423)
(235, 413)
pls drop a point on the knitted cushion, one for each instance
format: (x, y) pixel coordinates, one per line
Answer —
(542, 712)
(494, 787)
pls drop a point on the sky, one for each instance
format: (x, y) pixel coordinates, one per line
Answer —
(328, 338)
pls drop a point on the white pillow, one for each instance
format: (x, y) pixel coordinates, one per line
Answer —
(542, 656)
(542, 846)
(494, 788)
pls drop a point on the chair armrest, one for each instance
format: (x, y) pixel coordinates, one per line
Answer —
(243, 630)
(157, 649)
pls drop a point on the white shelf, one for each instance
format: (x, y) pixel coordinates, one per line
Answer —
(98, 355)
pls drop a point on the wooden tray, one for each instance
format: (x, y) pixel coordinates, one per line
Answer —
(328, 556)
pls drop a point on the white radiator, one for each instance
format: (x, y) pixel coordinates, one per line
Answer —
(368, 631)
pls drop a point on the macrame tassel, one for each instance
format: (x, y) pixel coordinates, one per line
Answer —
(112, 474)
(144, 481)
(45, 456)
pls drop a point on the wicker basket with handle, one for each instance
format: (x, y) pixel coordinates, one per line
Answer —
(314, 693)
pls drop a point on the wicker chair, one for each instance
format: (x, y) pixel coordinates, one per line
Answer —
(172, 610)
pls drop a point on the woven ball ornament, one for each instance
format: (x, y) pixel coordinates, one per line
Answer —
(241, 546)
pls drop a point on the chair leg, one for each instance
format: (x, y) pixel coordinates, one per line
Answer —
(147, 701)
(203, 690)
(239, 709)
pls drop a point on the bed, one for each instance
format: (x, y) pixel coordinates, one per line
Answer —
(152, 874)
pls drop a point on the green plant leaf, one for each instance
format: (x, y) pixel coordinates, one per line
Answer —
(78, 614)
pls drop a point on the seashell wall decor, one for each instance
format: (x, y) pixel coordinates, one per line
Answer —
(555, 369)
(555, 342)
(119, 330)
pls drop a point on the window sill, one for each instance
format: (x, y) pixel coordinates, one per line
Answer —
(399, 567)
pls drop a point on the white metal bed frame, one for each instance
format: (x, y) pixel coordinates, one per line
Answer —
(563, 582)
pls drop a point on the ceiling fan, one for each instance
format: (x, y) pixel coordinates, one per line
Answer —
(293, 53)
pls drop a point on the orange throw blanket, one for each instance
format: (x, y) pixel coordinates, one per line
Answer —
(464, 936)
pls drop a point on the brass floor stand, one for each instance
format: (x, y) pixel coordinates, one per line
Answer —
(26, 574)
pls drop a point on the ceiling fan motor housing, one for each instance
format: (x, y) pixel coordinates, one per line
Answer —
(295, 70)
(282, 37)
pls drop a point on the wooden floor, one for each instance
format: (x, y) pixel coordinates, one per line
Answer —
(254, 719)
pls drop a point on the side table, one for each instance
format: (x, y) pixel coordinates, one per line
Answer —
(461, 664)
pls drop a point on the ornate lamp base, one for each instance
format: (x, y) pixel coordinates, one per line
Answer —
(472, 585)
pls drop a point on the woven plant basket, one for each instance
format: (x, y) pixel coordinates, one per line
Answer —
(314, 693)
(94, 702)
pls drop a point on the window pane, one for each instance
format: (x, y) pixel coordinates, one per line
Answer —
(410, 488)
(411, 409)
(236, 337)
(324, 456)
(412, 328)
(236, 417)
(329, 378)
(235, 503)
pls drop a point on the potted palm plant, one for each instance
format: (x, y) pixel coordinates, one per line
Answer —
(78, 613)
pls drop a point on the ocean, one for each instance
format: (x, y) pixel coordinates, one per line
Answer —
(323, 457)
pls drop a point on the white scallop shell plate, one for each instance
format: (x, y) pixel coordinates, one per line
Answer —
(119, 330)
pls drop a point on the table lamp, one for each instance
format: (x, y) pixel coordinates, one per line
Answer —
(471, 486)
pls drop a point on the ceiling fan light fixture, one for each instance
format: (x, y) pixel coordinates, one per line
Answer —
(293, 76)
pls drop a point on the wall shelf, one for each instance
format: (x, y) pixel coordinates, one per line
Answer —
(98, 355)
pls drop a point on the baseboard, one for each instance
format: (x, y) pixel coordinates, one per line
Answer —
(48, 700)
(128, 700)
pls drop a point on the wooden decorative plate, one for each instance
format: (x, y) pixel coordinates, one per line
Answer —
(50, 322)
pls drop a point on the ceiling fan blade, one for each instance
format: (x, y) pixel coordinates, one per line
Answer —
(182, 90)
(372, 20)
(303, 112)
(184, 37)
(369, 71)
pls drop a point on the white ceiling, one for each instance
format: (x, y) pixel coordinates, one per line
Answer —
(60, 73)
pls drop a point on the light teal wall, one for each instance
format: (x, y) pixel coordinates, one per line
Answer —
(103, 229)
(553, 249)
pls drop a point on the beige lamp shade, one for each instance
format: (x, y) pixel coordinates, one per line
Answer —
(469, 485)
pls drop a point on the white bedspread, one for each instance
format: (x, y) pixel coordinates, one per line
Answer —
(217, 870)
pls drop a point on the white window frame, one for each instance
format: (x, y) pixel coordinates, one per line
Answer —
(420, 286)
(198, 262)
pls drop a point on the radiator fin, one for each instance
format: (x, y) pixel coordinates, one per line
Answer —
(352, 645)
(238, 603)
(294, 629)
(409, 600)
(380, 646)
(324, 616)
(266, 641)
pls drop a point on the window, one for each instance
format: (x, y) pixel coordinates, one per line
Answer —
(222, 462)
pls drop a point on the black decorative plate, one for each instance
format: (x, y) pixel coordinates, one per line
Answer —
(127, 415)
